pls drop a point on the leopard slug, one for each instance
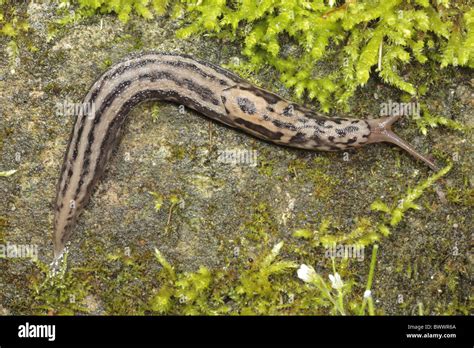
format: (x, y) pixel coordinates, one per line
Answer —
(210, 90)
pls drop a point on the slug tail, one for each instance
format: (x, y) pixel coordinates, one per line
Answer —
(381, 131)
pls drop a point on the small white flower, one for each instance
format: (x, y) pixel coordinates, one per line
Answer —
(306, 273)
(336, 281)
(331, 3)
(367, 293)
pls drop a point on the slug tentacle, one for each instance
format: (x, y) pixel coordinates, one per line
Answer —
(381, 131)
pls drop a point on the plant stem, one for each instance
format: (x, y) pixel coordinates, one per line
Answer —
(369, 283)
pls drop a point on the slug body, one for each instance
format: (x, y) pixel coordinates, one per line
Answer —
(211, 91)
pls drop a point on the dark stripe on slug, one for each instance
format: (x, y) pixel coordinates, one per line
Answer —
(286, 125)
(259, 129)
(269, 97)
(90, 137)
(321, 122)
(195, 68)
(205, 93)
(368, 126)
(338, 120)
(335, 148)
(119, 70)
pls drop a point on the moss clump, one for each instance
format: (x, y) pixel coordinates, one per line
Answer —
(13, 26)
(406, 203)
(294, 37)
(59, 291)
(261, 224)
(123, 279)
(256, 290)
(461, 196)
(426, 119)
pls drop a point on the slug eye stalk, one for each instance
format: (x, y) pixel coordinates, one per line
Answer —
(381, 131)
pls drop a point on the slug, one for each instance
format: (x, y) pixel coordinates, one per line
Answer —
(210, 90)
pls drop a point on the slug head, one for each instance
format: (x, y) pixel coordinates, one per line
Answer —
(381, 131)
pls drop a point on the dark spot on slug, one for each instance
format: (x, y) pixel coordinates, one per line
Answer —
(289, 110)
(352, 140)
(351, 129)
(318, 130)
(320, 122)
(298, 138)
(246, 105)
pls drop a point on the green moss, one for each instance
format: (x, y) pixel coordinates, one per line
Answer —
(428, 120)
(261, 225)
(59, 291)
(356, 35)
(7, 173)
(255, 290)
(13, 24)
(463, 196)
(266, 165)
(177, 153)
(408, 202)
